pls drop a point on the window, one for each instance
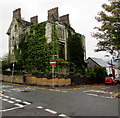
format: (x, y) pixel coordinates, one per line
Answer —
(61, 33)
(62, 50)
(15, 28)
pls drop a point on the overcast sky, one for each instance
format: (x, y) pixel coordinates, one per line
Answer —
(81, 12)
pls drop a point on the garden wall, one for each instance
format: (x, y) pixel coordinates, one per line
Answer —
(31, 80)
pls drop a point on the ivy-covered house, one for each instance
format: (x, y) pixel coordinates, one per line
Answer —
(33, 44)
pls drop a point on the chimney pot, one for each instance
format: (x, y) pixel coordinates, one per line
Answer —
(65, 19)
(17, 13)
(34, 20)
(53, 14)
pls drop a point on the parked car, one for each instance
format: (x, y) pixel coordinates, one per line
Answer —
(110, 80)
(117, 79)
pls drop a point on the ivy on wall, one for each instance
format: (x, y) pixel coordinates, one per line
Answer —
(34, 53)
(75, 52)
(33, 50)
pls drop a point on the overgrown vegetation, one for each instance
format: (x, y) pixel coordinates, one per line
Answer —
(109, 32)
(97, 74)
(76, 53)
(33, 53)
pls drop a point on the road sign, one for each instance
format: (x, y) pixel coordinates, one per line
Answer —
(52, 62)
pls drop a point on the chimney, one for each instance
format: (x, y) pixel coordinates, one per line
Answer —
(65, 19)
(17, 13)
(53, 14)
(34, 20)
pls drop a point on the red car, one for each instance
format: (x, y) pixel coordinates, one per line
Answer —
(110, 80)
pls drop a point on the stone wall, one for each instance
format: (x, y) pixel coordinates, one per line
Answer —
(53, 14)
(34, 20)
(14, 79)
(31, 80)
(17, 13)
(65, 19)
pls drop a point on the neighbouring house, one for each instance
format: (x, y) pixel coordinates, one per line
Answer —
(92, 62)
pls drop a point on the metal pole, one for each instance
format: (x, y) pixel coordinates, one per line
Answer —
(12, 73)
(52, 76)
(111, 68)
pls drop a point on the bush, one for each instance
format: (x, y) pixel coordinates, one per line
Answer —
(97, 74)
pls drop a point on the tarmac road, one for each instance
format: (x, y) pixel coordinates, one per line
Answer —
(64, 103)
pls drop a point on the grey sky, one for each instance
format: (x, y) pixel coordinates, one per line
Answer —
(82, 17)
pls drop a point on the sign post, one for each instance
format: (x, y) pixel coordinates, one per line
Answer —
(53, 63)
(12, 72)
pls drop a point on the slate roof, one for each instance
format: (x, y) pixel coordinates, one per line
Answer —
(100, 62)
(23, 24)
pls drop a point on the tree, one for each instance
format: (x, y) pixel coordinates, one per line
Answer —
(109, 32)
(97, 74)
(6, 62)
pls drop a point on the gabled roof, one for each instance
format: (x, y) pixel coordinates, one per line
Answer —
(22, 23)
(99, 61)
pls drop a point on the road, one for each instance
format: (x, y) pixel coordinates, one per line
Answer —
(20, 100)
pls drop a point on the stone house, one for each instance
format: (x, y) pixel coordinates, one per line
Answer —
(98, 62)
(18, 25)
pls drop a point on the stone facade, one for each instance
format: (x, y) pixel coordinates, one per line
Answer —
(18, 26)
(17, 13)
(65, 19)
(53, 14)
(34, 20)
(62, 36)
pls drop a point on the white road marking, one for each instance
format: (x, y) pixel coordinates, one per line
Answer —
(111, 92)
(6, 96)
(19, 105)
(40, 107)
(51, 90)
(89, 91)
(92, 94)
(27, 103)
(58, 91)
(5, 99)
(105, 97)
(10, 109)
(6, 86)
(10, 102)
(12, 98)
(99, 91)
(63, 115)
(18, 100)
(51, 111)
